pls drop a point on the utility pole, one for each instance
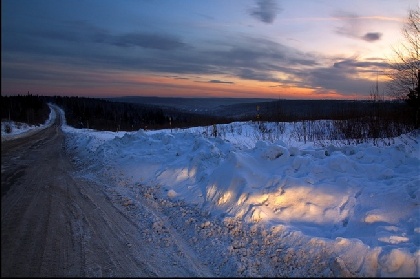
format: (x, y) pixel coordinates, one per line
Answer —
(377, 85)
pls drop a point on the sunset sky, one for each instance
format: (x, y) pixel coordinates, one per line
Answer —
(294, 49)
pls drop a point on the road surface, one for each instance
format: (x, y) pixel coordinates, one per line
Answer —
(54, 223)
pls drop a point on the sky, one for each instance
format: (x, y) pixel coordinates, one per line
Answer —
(301, 49)
(263, 204)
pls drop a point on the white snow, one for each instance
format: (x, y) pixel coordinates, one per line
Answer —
(12, 130)
(269, 204)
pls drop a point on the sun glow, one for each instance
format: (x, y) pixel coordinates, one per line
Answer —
(112, 83)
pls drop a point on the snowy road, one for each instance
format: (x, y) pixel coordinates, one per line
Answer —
(56, 224)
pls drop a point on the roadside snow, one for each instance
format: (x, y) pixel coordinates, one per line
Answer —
(12, 130)
(255, 204)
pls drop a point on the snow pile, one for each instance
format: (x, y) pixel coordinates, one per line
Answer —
(253, 203)
(357, 206)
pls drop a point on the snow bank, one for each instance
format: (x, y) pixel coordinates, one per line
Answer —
(12, 130)
(272, 202)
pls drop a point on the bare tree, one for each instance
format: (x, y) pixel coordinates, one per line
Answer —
(404, 69)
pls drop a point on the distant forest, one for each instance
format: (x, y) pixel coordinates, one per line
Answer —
(101, 114)
(25, 108)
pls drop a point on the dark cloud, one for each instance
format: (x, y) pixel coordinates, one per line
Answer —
(258, 56)
(265, 11)
(353, 63)
(256, 75)
(220, 81)
(91, 47)
(151, 41)
(81, 32)
(84, 46)
(331, 79)
(372, 36)
(341, 76)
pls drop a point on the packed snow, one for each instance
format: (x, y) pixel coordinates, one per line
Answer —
(270, 203)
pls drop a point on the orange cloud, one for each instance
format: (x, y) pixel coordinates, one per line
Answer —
(73, 81)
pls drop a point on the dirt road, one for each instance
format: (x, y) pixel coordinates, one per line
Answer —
(54, 223)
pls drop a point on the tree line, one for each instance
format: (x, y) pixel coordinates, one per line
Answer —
(100, 114)
(30, 109)
(354, 119)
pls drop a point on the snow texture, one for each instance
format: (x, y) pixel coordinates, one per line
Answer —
(268, 204)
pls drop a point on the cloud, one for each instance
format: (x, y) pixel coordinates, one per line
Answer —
(92, 49)
(342, 76)
(220, 81)
(256, 75)
(258, 55)
(244, 57)
(84, 32)
(151, 41)
(353, 63)
(352, 27)
(372, 36)
(265, 11)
